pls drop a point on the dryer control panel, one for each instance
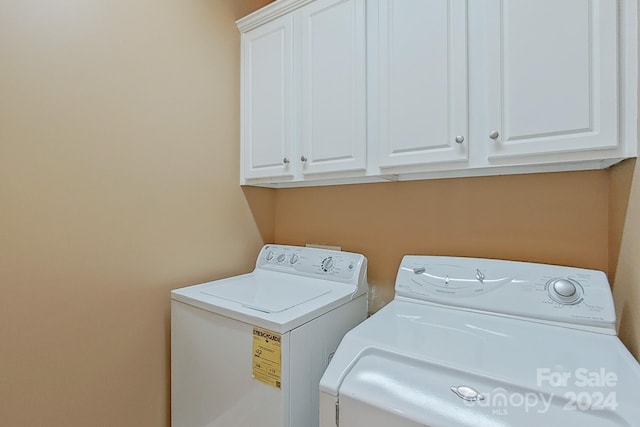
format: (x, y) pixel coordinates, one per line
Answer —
(324, 264)
(567, 295)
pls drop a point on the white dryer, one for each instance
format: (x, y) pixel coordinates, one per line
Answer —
(250, 350)
(478, 343)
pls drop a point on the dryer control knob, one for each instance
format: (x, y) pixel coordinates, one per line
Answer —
(281, 257)
(564, 290)
(270, 255)
(294, 258)
(564, 287)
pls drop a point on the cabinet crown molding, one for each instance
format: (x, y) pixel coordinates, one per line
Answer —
(269, 13)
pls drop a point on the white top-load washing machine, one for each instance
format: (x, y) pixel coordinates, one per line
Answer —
(478, 342)
(250, 350)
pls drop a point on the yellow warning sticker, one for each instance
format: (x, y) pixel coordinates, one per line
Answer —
(267, 356)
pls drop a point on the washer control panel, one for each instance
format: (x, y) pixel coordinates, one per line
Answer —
(326, 264)
(538, 291)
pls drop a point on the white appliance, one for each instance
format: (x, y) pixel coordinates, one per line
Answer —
(250, 350)
(478, 342)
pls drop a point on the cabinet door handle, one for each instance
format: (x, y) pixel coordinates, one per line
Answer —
(494, 134)
(459, 139)
(303, 158)
(285, 161)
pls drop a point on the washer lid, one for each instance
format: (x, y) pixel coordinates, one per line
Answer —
(269, 299)
(272, 298)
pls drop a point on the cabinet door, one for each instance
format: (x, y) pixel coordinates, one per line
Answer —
(422, 83)
(552, 76)
(267, 108)
(333, 86)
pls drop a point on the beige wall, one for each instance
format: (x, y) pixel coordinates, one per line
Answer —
(587, 219)
(119, 132)
(118, 182)
(625, 250)
(558, 218)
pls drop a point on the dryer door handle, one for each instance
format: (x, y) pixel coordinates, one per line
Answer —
(467, 393)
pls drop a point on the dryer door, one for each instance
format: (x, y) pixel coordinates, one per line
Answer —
(354, 412)
(387, 389)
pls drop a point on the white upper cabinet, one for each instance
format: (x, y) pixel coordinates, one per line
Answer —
(267, 103)
(334, 86)
(553, 76)
(304, 112)
(345, 91)
(422, 82)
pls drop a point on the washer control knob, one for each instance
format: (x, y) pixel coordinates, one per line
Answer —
(294, 258)
(281, 258)
(564, 290)
(418, 270)
(270, 255)
(327, 264)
